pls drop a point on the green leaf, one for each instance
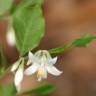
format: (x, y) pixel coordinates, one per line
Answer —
(3, 61)
(79, 42)
(42, 90)
(57, 50)
(8, 90)
(29, 25)
(83, 41)
(5, 5)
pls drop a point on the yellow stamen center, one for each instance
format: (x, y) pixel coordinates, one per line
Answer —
(40, 73)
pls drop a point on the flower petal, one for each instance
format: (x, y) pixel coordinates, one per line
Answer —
(52, 61)
(32, 58)
(42, 73)
(31, 70)
(18, 88)
(39, 79)
(53, 70)
(15, 66)
(45, 76)
(19, 76)
(29, 62)
(11, 40)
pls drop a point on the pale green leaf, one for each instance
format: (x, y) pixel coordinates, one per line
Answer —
(5, 5)
(29, 26)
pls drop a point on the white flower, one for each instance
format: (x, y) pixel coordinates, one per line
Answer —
(42, 63)
(19, 68)
(10, 36)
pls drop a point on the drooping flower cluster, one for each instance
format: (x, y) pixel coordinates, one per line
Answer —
(19, 68)
(41, 63)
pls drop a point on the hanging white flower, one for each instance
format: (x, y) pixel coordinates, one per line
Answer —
(42, 63)
(19, 68)
(10, 36)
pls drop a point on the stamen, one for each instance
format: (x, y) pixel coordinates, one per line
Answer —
(40, 73)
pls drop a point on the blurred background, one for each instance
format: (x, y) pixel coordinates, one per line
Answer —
(65, 21)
